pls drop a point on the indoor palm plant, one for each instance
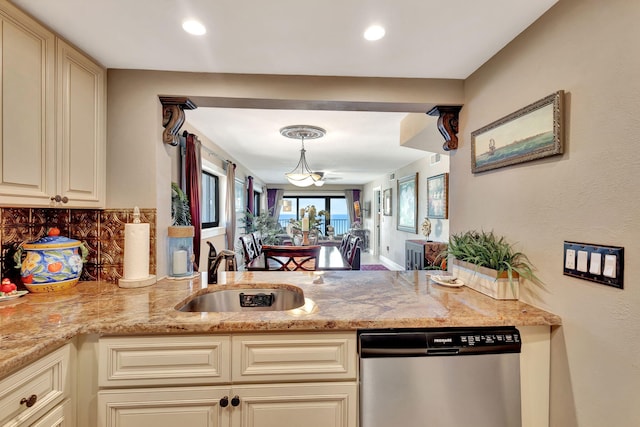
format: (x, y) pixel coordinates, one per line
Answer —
(266, 225)
(489, 264)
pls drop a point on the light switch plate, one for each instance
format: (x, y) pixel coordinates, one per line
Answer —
(596, 263)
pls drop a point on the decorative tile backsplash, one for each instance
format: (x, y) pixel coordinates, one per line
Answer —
(101, 230)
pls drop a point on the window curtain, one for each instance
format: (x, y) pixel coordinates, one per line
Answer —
(350, 196)
(274, 201)
(250, 206)
(193, 188)
(230, 206)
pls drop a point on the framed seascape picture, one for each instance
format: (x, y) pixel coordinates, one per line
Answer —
(386, 202)
(530, 133)
(438, 196)
(408, 203)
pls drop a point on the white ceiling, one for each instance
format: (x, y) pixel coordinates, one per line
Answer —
(424, 39)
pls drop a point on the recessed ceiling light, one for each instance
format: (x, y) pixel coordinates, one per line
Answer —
(194, 27)
(374, 32)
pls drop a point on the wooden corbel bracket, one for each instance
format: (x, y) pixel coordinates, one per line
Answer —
(173, 116)
(447, 124)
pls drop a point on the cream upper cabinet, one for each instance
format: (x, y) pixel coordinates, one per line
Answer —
(27, 119)
(80, 130)
(52, 118)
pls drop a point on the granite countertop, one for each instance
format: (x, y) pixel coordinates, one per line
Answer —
(36, 324)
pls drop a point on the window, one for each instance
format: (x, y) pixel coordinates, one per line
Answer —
(337, 207)
(256, 201)
(239, 197)
(210, 200)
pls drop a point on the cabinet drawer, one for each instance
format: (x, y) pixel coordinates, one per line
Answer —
(48, 380)
(294, 357)
(163, 360)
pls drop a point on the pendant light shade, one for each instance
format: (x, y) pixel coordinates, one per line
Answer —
(302, 175)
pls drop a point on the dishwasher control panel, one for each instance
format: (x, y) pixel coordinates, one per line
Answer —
(478, 341)
(439, 342)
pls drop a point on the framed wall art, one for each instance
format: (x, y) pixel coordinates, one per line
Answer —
(438, 196)
(533, 132)
(386, 202)
(408, 203)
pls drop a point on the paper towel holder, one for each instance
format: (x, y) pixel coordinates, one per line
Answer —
(138, 282)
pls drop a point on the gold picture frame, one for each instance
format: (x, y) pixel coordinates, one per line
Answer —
(438, 196)
(533, 132)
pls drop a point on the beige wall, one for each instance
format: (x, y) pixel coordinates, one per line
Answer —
(392, 241)
(589, 194)
(139, 164)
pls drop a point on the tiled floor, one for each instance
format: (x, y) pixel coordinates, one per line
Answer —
(369, 258)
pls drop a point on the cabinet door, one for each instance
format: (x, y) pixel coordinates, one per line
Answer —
(295, 405)
(81, 144)
(163, 407)
(60, 416)
(27, 155)
(34, 390)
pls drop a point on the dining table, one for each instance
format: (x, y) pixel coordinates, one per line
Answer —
(329, 258)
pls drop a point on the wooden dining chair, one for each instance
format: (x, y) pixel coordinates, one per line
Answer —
(352, 252)
(257, 240)
(344, 243)
(249, 248)
(291, 258)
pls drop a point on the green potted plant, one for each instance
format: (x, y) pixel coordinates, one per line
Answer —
(180, 214)
(266, 225)
(489, 264)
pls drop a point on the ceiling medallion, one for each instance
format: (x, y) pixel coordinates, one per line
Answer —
(302, 175)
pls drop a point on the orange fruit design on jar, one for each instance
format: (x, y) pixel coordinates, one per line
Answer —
(54, 267)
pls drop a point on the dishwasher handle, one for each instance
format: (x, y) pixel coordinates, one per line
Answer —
(393, 344)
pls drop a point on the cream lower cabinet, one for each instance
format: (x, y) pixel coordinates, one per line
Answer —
(164, 407)
(244, 380)
(295, 405)
(41, 394)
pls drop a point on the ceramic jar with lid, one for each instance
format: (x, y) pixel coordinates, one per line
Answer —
(53, 263)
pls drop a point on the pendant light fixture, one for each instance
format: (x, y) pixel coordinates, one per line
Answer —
(302, 175)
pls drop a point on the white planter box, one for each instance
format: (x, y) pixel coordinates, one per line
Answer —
(486, 280)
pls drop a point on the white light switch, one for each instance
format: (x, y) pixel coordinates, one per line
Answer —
(610, 266)
(582, 261)
(595, 263)
(570, 261)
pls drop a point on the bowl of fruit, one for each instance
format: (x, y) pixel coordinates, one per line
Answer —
(8, 290)
(53, 263)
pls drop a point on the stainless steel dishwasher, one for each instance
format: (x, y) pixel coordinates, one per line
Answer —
(446, 377)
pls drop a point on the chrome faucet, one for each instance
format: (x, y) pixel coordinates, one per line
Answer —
(214, 260)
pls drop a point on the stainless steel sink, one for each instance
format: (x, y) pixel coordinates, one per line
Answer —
(247, 299)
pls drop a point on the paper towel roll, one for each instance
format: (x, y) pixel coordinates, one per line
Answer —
(136, 251)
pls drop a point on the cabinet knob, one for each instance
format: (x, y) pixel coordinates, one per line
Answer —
(30, 401)
(57, 198)
(235, 401)
(224, 402)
